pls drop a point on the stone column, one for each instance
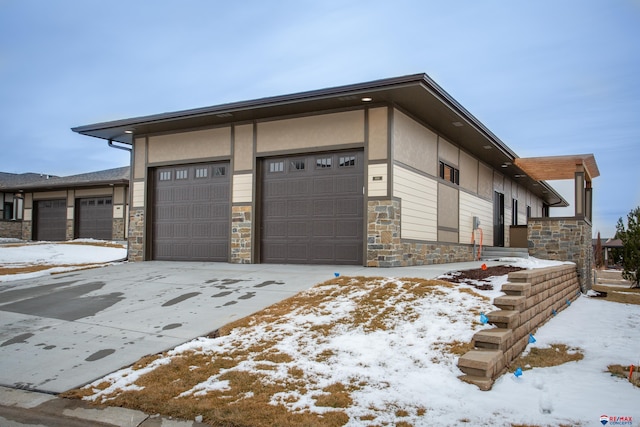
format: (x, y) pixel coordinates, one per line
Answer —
(384, 248)
(241, 235)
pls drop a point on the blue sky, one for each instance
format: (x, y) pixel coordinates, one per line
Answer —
(548, 77)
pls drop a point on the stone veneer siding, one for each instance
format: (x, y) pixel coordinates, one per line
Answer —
(27, 230)
(563, 239)
(70, 230)
(117, 229)
(11, 229)
(386, 249)
(136, 235)
(241, 229)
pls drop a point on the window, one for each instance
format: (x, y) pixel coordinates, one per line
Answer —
(347, 161)
(449, 173)
(182, 174)
(201, 172)
(323, 162)
(165, 176)
(219, 171)
(296, 165)
(7, 212)
(528, 212)
(276, 166)
(514, 212)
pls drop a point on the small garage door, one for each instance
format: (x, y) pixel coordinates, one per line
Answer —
(312, 209)
(51, 220)
(94, 218)
(191, 213)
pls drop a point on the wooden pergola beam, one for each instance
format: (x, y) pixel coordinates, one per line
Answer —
(558, 167)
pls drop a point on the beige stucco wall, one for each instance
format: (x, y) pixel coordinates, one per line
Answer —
(243, 148)
(201, 144)
(447, 152)
(485, 181)
(414, 144)
(468, 172)
(378, 133)
(43, 195)
(448, 206)
(94, 192)
(139, 158)
(311, 132)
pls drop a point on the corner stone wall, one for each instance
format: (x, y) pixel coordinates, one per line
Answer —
(11, 229)
(386, 249)
(563, 239)
(241, 230)
(136, 235)
(117, 229)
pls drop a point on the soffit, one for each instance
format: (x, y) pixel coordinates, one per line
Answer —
(559, 167)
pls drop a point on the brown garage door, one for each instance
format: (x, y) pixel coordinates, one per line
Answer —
(51, 220)
(191, 213)
(94, 218)
(312, 209)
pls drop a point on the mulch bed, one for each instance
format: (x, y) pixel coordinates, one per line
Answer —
(480, 275)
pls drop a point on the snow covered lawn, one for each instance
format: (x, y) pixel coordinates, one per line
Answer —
(20, 260)
(383, 351)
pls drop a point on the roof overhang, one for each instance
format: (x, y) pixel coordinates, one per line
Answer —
(559, 167)
(417, 94)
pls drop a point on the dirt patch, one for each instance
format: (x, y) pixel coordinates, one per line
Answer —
(555, 355)
(472, 277)
(619, 294)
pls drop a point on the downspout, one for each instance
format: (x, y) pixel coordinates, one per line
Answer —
(129, 149)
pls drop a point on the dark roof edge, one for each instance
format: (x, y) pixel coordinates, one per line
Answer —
(254, 103)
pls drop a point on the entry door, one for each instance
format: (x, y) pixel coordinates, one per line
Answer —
(498, 219)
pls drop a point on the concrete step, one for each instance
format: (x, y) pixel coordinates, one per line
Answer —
(510, 302)
(493, 339)
(482, 363)
(496, 252)
(507, 319)
(517, 289)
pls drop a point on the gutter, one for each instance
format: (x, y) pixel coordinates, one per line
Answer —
(119, 147)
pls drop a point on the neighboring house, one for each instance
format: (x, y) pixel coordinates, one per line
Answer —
(610, 248)
(12, 202)
(387, 173)
(89, 205)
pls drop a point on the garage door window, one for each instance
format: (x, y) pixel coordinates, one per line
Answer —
(296, 165)
(181, 174)
(165, 176)
(323, 162)
(347, 161)
(219, 171)
(276, 166)
(201, 172)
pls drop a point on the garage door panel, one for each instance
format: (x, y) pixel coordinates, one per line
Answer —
(94, 218)
(191, 213)
(51, 220)
(321, 204)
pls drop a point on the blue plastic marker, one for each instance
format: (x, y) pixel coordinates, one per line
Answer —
(518, 373)
(532, 339)
(483, 319)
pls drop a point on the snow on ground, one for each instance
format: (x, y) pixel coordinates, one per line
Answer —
(60, 256)
(405, 367)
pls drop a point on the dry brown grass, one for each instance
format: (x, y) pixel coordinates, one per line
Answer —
(619, 294)
(556, 355)
(380, 304)
(40, 267)
(623, 372)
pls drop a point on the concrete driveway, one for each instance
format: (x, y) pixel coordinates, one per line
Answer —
(60, 332)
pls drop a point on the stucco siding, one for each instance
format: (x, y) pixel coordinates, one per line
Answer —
(414, 144)
(139, 158)
(448, 152)
(378, 133)
(192, 145)
(471, 206)
(468, 172)
(311, 132)
(485, 181)
(243, 148)
(419, 209)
